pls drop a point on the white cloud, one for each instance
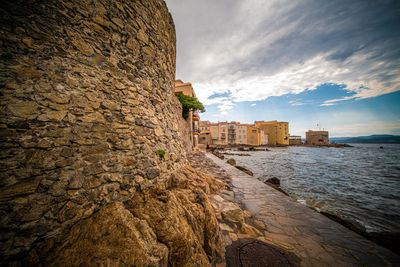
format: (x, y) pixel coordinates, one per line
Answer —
(253, 105)
(365, 83)
(257, 49)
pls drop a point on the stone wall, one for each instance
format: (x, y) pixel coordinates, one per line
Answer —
(86, 101)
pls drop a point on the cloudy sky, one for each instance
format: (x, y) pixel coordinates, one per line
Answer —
(333, 63)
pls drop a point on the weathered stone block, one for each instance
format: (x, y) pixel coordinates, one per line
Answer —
(24, 109)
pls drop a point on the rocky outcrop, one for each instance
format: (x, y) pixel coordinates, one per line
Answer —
(168, 224)
(86, 101)
(112, 236)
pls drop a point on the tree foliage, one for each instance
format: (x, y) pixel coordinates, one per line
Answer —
(189, 103)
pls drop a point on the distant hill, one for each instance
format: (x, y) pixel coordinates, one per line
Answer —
(372, 139)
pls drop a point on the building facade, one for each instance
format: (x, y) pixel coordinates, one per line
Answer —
(317, 138)
(193, 117)
(253, 136)
(236, 133)
(295, 140)
(278, 132)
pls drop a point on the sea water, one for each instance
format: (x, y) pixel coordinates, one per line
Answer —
(359, 184)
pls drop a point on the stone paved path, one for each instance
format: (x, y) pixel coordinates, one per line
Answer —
(315, 239)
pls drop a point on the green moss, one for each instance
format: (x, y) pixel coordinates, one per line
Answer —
(160, 153)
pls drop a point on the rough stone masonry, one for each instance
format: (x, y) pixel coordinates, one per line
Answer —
(86, 100)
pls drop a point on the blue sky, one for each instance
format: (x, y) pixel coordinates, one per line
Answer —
(332, 63)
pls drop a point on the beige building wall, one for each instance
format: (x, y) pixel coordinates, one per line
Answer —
(278, 132)
(264, 138)
(253, 136)
(223, 133)
(184, 88)
(269, 128)
(232, 133)
(282, 133)
(241, 136)
(214, 132)
(211, 131)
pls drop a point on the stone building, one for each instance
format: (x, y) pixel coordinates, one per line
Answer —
(317, 138)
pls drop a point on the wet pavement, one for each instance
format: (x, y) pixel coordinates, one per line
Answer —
(291, 226)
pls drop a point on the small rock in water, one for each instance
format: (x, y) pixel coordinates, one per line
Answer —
(243, 169)
(273, 180)
(231, 161)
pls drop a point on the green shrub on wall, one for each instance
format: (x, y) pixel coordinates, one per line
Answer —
(160, 153)
(189, 103)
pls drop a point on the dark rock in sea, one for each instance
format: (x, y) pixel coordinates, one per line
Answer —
(232, 162)
(218, 154)
(243, 169)
(274, 181)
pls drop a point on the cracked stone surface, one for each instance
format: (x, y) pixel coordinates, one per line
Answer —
(315, 239)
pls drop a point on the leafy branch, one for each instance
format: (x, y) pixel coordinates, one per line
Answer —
(189, 103)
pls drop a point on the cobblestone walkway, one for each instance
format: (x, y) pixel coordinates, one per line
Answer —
(315, 239)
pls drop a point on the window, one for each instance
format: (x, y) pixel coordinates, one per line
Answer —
(240, 137)
(231, 127)
(252, 137)
(215, 126)
(216, 142)
(244, 136)
(215, 136)
(251, 142)
(253, 131)
(206, 128)
(215, 130)
(204, 138)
